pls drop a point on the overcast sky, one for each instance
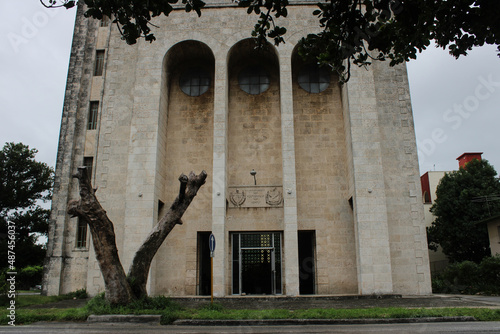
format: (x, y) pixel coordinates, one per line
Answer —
(455, 102)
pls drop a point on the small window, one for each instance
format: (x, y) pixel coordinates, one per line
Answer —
(93, 112)
(81, 234)
(194, 81)
(253, 80)
(161, 205)
(88, 162)
(427, 198)
(314, 79)
(105, 21)
(99, 63)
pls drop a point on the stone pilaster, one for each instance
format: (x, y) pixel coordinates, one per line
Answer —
(220, 175)
(368, 188)
(291, 255)
(141, 209)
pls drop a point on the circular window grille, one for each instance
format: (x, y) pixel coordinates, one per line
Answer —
(194, 81)
(314, 79)
(253, 80)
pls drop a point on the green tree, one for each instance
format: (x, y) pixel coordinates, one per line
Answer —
(352, 32)
(24, 184)
(461, 201)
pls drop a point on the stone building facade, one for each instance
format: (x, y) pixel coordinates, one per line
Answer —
(334, 204)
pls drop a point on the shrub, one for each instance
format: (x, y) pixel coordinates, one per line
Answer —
(28, 277)
(462, 273)
(489, 270)
(99, 305)
(78, 294)
(469, 277)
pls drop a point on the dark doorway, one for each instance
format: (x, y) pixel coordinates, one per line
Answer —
(307, 268)
(203, 264)
(256, 271)
(256, 262)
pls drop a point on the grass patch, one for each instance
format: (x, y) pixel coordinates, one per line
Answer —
(170, 311)
(28, 300)
(27, 316)
(157, 305)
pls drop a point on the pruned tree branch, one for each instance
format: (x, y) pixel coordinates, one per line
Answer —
(90, 211)
(139, 270)
(121, 289)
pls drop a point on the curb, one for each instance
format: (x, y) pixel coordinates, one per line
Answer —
(284, 322)
(145, 318)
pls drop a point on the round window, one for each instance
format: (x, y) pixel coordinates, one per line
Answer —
(253, 80)
(194, 81)
(314, 79)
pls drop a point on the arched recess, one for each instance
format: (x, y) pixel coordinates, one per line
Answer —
(322, 177)
(186, 144)
(254, 143)
(254, 122)
(254, 129)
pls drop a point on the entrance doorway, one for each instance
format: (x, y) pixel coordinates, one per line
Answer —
(307, 268)
(256, 259)
(204, 282)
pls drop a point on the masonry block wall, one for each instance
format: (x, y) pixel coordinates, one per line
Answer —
(322, 184)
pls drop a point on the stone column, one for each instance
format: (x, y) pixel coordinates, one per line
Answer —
(141, 208)
(219, 174)
(62, 228)
(290, 244)
(367, 183)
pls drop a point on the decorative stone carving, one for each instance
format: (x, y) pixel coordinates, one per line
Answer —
(255, 197)
(237, 198)
(274, 197)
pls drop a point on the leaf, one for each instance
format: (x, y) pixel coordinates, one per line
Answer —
(69, 4)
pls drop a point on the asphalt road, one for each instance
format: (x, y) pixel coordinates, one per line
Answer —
(85, 328)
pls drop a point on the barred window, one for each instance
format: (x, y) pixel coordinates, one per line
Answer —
(81, 234)
(253, 80)
(93, 112)
(105, 21)
(194, 81)
(314, 79)
(99, 63)
(88, 162)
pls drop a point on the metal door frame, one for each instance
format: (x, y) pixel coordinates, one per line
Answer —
(273, 259)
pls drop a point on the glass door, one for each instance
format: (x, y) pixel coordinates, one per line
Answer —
(256, 262)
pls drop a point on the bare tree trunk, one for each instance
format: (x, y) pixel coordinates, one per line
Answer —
(89, 209)
(139, 270)
(121, 289)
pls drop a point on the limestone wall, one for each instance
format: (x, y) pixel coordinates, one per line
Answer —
(322, 185)
(346, 158)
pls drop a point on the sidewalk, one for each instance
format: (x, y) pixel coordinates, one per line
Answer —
(344, 301)
(310, 302)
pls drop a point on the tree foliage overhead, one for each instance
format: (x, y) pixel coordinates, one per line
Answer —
(463, 198)
(24, 182)
(352, 32)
